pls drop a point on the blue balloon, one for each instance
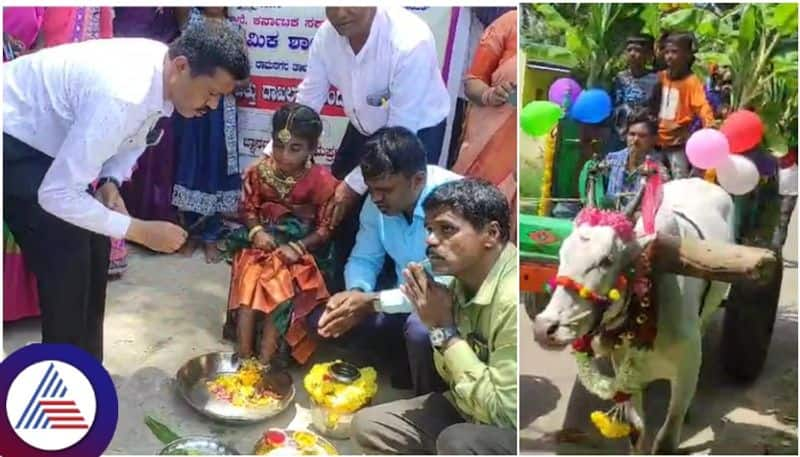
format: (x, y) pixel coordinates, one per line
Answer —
(592, 106)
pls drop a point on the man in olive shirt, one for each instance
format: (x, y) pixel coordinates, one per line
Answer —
(473, 326)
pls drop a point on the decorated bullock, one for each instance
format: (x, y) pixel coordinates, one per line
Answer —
(640, 291)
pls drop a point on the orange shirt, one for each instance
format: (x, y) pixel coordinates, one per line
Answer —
(681, 100)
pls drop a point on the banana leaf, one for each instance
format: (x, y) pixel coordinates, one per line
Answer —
(161, 431)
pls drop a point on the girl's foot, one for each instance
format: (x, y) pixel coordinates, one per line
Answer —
(188, 248)
(283, 359)
(270, 340)
(245, 332)
(213, 255)
(229, 328)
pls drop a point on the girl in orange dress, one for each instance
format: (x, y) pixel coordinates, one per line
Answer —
(277, 279)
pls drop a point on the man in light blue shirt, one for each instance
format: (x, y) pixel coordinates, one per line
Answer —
(392, 222)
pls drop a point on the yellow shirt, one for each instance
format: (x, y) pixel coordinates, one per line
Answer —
(481, 370)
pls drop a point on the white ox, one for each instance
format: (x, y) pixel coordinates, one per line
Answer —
(594, 256)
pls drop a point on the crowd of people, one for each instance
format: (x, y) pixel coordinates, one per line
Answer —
(658, 102)
(383, 250)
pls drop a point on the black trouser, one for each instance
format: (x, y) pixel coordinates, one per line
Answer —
(70, 263)
(348, 157)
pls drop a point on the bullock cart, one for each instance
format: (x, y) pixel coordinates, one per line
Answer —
(755, 273)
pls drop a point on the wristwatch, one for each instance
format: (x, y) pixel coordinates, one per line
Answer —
(441, 335)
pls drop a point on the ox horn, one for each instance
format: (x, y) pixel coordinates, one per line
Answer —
(713, 260)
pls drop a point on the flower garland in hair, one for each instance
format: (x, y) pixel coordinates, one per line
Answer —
(547, 175)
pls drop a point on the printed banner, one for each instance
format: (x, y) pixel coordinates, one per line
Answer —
(278, 39)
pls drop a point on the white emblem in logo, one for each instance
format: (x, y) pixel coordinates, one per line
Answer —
(51, 405)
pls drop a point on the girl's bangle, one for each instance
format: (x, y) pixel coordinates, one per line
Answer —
(253, 231)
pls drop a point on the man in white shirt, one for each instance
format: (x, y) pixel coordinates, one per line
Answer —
(83, 111)
(383, 61)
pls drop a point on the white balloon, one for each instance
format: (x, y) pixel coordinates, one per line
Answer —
(738, 175)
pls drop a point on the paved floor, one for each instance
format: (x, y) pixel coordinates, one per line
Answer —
(725, 417)
(163, 312)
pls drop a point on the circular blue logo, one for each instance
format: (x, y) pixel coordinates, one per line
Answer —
(59, 400)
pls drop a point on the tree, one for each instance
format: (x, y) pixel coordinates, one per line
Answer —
(590, 38)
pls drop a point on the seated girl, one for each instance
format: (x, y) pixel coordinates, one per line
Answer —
(277, 276)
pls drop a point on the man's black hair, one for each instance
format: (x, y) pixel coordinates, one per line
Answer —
(209, 46)
(643, 115)
(392, 150)
(643, 39)
(477, 201)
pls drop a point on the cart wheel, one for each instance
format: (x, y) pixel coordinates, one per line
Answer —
(749, 320)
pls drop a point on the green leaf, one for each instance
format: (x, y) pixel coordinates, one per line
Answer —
(718, 58)
(784, 18)
(551, 16)
(551, 54)
(747, 28)
(707, 29)
(161, 431)
(650, 16)
(683, 19)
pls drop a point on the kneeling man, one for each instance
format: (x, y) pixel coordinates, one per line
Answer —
(473, 328)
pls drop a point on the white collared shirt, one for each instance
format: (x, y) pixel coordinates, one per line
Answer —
(90, 106)
(398, 63)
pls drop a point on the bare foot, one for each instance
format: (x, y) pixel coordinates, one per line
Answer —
(188, 248)
(213, 255)
(270, 340)
(245, 331)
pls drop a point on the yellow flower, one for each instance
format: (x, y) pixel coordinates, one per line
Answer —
(339, 397)
(547, 173)
(239, 388)
(610, 427)
(304, 439)
(585, 292)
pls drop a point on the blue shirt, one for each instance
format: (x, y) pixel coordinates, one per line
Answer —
(404, 242)
(621, 181)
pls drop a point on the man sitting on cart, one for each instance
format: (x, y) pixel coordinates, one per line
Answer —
(626, 167)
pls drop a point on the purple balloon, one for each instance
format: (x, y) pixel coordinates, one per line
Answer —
(561, 88)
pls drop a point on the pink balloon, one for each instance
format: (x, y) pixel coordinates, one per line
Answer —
(707, 148)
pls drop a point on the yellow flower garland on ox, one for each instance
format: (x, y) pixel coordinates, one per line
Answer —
(614, 423)
(337, 397)
(547, 174)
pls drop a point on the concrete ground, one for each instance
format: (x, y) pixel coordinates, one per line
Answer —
(725, 417)
(164, 311)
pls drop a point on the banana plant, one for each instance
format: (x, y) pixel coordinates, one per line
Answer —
(589, 36)
(758, 42)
